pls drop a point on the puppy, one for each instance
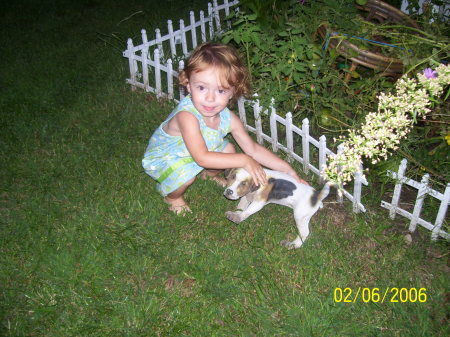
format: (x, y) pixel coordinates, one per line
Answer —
(281, 189)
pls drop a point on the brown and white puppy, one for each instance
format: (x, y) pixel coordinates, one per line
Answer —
(281, 189)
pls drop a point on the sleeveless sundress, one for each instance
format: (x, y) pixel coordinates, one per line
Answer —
(167, 159)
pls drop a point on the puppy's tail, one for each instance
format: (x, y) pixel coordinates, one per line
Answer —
(318, 196)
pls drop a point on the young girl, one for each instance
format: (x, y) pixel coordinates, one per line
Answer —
(192, 138)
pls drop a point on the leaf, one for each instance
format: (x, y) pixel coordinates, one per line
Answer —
(246, 38)
(256, 58)
(256, 40)
(274, 73)
(300, 66)
(227, 38)
(238, 22)
(285, 70)
(297, 31)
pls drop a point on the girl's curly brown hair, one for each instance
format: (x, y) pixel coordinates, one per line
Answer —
(226, 59)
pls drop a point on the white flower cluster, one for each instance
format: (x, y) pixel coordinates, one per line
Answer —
(383, 130)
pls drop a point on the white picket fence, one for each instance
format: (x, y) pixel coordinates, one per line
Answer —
(158, 75)
(290, 145)
(176, 43)
(423, 190)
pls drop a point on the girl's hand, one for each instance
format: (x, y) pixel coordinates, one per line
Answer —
(292, 173)
(256, 171)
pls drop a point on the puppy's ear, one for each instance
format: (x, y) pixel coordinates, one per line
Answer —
(253, 187)
(227, 173)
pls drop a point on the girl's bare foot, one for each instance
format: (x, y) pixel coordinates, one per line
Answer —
(178, 205)
(206, 175)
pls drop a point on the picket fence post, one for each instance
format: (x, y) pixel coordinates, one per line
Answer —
(180, 88)
(273, 128)
(216, 14)
(340, 196)
(322, 156)
(289, 137)
(159, 42)
(357, 184)
(441, 213)
(241, 109)
(397, 189)
(169, 79)
(211, 28)
(131, 63)
(145, 60)
(305, 144)
(227, 13)
(202, 26)
(258, 122)
(193, 30)
(421, 194)
(157, 73)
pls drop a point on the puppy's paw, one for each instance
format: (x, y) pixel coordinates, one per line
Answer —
(289, 245)
(234, 216)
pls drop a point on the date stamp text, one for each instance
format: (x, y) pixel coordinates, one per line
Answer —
(377, 295)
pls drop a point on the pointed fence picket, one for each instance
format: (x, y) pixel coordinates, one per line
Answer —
(152, 67)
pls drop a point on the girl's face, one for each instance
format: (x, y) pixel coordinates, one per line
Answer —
(209, 95)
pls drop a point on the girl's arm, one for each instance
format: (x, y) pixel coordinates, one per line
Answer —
(262, 155)
(192, 137)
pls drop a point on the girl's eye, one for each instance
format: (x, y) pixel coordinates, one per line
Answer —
(223, 91)
(200, 87)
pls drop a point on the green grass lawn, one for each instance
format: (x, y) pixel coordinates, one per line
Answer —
(88, 247)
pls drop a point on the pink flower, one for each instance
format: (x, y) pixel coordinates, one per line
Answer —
(302, 2)
(430, 73)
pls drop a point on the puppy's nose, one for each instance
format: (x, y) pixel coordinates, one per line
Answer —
(228, 192)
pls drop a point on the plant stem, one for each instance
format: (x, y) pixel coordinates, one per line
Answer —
(443, 44)
(249, 66)
(313, 103)
(424, 61)
(403, 27)
(412, 159)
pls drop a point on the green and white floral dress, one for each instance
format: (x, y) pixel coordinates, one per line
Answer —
(167, 159)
